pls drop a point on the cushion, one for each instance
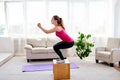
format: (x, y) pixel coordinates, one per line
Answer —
(50, 49)
(104, 54)
(39, 50)
(42, 50)
(52, 40)
(38, 42)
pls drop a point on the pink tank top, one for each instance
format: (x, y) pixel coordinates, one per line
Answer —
(64, 36)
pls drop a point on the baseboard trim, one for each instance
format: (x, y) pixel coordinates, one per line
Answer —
(5, 57)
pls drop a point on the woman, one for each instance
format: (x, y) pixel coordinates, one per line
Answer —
(59, 30)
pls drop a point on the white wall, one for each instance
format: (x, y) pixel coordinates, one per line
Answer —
(6, 45)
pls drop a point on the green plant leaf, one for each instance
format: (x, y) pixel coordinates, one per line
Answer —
(88, 36)
(83, 47)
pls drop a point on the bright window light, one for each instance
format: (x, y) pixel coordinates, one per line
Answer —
(79, 18)
(86, 16)
(15, 18)
(59, 8)
(2, 18)
(98, 17)
(36, 12)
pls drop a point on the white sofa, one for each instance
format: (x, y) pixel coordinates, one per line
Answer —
(6, 49)
(42, 48)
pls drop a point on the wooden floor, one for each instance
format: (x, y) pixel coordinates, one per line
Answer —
(117, 68)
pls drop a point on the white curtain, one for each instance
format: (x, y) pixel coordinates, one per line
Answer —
(95, 17)
(2, 18)
(117, 19)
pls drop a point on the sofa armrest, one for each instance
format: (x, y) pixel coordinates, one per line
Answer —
(99, 49)
(115, 54)
(28, 47)
(115, 51)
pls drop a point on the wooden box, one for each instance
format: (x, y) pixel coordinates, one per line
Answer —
(61, 71)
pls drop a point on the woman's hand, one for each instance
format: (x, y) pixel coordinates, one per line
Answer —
(45, 30)
(39, 25)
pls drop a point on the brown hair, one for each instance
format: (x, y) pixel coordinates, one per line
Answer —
(59, 21)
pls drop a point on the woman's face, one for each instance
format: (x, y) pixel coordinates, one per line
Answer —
(53, 21)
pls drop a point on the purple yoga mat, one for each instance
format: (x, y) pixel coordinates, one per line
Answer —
(43, 67)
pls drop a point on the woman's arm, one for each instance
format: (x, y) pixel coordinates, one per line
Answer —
(47, 31)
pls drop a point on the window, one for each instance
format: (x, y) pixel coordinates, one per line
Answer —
(79, 17)
(36, 12)
(20, 18)
(100, 18)
(15, 18)
(58, 7)
(92, 17)
(2, 18)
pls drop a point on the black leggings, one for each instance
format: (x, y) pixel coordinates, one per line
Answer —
(62, 45)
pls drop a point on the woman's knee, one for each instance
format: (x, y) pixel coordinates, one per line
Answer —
(54, 47)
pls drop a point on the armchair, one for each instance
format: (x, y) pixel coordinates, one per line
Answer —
(110, 53)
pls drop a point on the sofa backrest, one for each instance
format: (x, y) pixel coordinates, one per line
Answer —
(37, 42)
(113, 43)
(52, 40)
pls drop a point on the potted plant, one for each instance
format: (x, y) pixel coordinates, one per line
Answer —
(83, 47)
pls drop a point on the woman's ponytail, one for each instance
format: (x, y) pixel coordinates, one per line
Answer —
(59, 21)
